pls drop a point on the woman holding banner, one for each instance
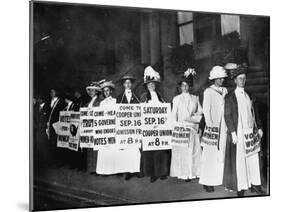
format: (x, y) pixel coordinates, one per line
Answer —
(93, 90)
(132, 163)
(186, 112)
(241, 169)
(214, 136)
(111, 160)
(155, 164)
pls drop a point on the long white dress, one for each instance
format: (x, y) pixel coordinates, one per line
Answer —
(185, 161)
(114, 161)
(248, 169)
(212, 163)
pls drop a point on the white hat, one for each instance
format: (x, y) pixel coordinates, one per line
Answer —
(150, 75)
(230, 66)
(107, 84)
(217, 72)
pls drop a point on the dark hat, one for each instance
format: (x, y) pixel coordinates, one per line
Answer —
(235, 70)
(127, 77)
(188, 76)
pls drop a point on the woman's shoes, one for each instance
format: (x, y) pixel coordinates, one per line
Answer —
(240, 193)
(209, 189)
(257, 189)
(129, 176)
(153, 179)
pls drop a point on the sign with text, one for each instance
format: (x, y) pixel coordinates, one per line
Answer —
(156, 126)
(62, 129)
(104, 127)
(73, 143)
(181, 134)
(251, 141)
(86, 127)
(211, 136)
(128, 126)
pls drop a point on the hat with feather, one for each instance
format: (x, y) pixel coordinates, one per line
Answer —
(93, 86)
(188, 76)
(150, 75)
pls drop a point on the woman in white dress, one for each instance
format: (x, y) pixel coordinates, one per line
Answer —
(211, 173)
(111, 160)
(185, 161)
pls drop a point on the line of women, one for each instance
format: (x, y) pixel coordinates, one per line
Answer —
(195, 160)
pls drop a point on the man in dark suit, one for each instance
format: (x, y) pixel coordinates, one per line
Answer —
(241, 170)
(53, 108)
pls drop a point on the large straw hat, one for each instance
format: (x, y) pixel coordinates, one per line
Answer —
(107, 84)
(93, 86)
(235, 69)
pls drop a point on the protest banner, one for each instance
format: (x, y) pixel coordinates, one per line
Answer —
(251, 141)
(86, 128)
(62, 129)
(210, 136)
(73, 143)
(128, 126)
(156, 126)
(181, 134)
(104, 127)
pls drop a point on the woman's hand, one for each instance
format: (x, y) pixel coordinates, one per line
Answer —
(234, 138)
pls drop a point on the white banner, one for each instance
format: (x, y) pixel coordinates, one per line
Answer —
(156, 126)
(62, 129)
(104, 127)
(252, 142)
(181, 134)
(86, 127)
(128, 126)
(211, 136)
(73, 143)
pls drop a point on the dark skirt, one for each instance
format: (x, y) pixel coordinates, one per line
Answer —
(91, 160)
(156, 163)
(230, 175)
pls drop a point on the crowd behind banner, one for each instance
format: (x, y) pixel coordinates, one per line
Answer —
(147, 136)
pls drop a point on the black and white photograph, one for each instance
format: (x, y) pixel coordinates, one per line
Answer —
(138, 105)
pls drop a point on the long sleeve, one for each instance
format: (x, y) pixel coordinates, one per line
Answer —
(256, 111)
(228, 112)
(175, 110)
(207, 107)
(198, 115)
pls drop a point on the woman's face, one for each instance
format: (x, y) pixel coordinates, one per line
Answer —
(219, 82)
(92, 93)
(151, 86)
(240, 80)
(107, 92)
(127, 84)
(184, 87)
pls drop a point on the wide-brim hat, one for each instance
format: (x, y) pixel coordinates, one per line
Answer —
(150, 75)
(107, 84)
(240, 69)
(93, 86)
(217, 72)
(127, 77)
